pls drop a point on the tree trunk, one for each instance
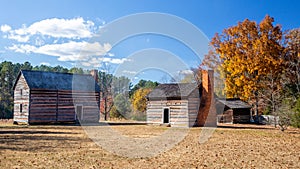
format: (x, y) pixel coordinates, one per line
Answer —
(105, 108)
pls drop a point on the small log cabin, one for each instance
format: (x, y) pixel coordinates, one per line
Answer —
(48, 97)
(233, 111)
(183, 104)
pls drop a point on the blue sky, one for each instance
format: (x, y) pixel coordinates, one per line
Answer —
(53, 32)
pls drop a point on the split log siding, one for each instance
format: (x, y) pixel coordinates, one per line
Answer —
(59, 106)
(178, 111)
(21, 97)
(43, 105)
(183, 111)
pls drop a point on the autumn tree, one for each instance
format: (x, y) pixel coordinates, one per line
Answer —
(139, 101)
(249, 52)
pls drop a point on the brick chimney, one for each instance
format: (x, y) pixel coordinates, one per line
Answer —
(207, 112)
(94, 73)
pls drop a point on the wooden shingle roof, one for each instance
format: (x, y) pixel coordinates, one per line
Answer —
(59, 81)
(234, 103)
(172, 91)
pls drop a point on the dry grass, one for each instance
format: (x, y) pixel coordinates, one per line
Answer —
(69, 147)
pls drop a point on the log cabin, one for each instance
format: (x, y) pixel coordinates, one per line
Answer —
(183, 104)
(49, 97)
(233, 111)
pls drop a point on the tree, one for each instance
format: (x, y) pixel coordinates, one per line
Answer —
(295, 119)
(43, 68)
(76, 70)
(139, 101)
(60, 69)
(292, 50)
(26, 66)
(143, 84)
(105, 83)
(249, 52)
(6, 84)
(121, 85)
(139, 104)
(114, 113)
(285, 114)
(122, 104)
(8, 75)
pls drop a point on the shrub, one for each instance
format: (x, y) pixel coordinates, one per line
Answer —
(139, 116)
(114, 113)
(295, 119)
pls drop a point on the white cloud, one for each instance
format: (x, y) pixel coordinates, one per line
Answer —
(75, 28)
(5, 28)
(185, 72)
(129, 72)
(45, 63)
(97, 61)
(39, 41)
(71, 51)
(111, 54)
(22, 48)
(114, 60)
(19, 38)
(65, 39)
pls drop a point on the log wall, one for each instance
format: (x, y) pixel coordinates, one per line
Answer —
(21, 97)
(178, 112)
(59, 106)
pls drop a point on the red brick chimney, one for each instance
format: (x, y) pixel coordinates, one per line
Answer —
(207, 112)
(94, 73)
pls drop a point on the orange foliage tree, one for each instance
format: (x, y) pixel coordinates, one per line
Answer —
(249, 52)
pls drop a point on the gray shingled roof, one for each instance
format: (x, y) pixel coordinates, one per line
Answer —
(172, 90)
(234, 103)
(59, 81)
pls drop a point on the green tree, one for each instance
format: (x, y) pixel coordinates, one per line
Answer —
(143, 84)
(122, 104)
(295, 118)
(76, 70)
(114, 113)
(7, 77)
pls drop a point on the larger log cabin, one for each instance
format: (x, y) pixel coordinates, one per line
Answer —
(48, 97)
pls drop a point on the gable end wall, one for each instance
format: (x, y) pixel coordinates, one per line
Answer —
(21, 96)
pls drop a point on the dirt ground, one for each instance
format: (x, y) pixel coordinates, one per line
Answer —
(68, 146)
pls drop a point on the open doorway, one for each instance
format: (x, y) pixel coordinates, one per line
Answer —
(166, 115)
(79, 112)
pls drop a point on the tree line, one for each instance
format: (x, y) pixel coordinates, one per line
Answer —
(118, 96)
(260, 63)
